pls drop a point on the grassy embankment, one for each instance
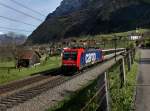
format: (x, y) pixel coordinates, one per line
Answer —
(78, 99)
(8, 72)
(122, 99)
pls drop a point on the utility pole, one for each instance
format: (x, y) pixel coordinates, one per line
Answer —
(115, 43)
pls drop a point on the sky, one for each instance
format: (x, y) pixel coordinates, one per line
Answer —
(43, 6)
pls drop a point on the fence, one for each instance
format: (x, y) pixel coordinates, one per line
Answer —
(102, 97)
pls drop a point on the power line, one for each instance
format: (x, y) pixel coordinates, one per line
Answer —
(15, 29)
(18, 21)
(21, 12)
(20, 4)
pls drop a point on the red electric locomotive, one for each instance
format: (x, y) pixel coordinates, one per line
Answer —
(78, 58)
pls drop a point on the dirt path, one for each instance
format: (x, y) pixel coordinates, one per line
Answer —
(143, 88)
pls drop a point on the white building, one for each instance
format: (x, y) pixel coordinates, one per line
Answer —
(135, 37)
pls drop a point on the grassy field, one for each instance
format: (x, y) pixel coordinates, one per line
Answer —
(8, 72)
(122, 99)
(10, 64)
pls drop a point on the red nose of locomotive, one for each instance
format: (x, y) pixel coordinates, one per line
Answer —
(69, 62)
(69, 58)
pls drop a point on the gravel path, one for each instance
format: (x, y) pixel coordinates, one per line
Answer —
(143, 88)
(53, 96)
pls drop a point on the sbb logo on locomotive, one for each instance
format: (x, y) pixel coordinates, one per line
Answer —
(91, 57)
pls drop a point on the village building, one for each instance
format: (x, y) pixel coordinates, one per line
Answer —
(135, 36)
(28, 58)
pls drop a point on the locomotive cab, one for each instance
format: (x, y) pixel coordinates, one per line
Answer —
(70, 59)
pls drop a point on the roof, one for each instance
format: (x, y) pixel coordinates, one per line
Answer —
(73, 49)
(27, 54)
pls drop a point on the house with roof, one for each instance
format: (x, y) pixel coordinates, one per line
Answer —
(27, 58)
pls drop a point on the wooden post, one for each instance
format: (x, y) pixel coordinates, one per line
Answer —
(8, 71)
(129, 61)
(122, 72)
(107, 93)
(132, 57)
(19, 69)
(103, 97)
(134, 53)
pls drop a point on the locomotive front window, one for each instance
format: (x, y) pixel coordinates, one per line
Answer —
(70, 56)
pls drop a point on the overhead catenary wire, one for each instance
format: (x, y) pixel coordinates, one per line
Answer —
(15, 29)
(18, 21)
(28, 8)
(21, 12)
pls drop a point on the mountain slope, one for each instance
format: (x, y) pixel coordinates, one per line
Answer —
(11, 38)
(84, 17)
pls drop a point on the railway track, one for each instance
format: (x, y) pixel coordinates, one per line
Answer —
(9, 101)
(10, 87)
(25, 95)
